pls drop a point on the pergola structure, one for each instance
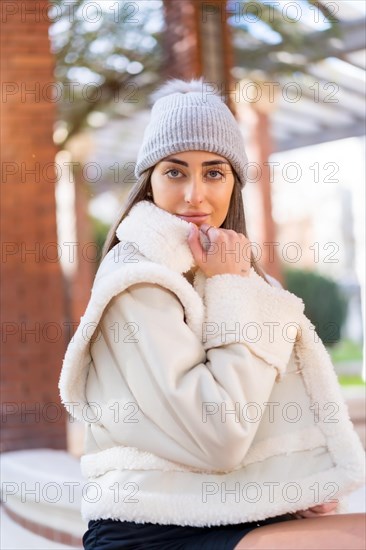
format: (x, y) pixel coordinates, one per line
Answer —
(329, 70)
(331, 102)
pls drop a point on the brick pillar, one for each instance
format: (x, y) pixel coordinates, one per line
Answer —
(182, 48)
(198, 42)
(86, 254)
(32, 298)
(256, 115)
(263, 147)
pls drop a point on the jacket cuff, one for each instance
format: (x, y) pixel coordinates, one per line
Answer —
(249, 310)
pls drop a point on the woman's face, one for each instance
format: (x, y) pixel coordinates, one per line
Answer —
(194, 182)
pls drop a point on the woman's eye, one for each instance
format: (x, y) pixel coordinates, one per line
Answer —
(173, 172)
(215, 174)
(212, 174)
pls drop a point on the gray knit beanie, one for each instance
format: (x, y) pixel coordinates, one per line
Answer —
(188, 117)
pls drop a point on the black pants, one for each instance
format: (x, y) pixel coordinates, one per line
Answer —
(108, 534)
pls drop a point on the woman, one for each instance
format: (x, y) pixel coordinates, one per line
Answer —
(204, 388)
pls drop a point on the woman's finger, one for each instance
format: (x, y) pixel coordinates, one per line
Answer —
(324, 508)
(320, 509)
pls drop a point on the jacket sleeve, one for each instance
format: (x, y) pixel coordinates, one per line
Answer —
(195, 390)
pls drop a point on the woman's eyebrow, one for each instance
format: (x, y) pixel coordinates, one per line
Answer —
(207, 163)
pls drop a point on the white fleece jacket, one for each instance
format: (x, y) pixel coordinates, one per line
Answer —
(208, 404)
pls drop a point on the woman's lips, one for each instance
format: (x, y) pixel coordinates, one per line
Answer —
(194, 219)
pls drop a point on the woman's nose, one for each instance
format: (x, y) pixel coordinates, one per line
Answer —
(194, 192)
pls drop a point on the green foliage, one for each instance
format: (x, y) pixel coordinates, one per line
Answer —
(100, 230)
(107, 57)
(351, 380)
(346, 350)
(325, 304)
(295, 43)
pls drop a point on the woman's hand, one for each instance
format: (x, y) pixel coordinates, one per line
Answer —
(321, 509)
(228, 251)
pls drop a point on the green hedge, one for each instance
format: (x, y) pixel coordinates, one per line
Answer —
(100, 231)
(325, 304)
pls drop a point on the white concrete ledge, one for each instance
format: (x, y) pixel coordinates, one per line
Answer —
(44, 487)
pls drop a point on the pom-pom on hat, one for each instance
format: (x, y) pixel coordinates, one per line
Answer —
(188, 116)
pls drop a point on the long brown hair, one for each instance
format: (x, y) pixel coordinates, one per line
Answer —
(142, 190)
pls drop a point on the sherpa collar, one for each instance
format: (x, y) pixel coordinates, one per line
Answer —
(160, 236)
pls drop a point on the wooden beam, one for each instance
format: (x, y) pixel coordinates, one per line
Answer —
(322, 136)
(318, 45)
